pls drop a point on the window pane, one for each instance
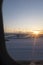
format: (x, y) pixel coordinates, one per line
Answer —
(23, 28)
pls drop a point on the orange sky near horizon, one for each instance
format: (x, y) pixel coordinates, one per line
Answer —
(9, 30)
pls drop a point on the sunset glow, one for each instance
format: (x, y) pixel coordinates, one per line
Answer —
(36, 32)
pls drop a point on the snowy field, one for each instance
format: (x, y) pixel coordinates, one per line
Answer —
(25, 49)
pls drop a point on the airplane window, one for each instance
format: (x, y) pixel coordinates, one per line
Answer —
(23, 29)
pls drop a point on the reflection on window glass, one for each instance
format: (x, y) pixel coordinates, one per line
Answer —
(23, 28)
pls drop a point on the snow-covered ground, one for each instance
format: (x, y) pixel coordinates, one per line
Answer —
(25, 49)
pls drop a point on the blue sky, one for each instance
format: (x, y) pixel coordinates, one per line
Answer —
(22, 15)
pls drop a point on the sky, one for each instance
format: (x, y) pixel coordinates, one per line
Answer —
(22, 15)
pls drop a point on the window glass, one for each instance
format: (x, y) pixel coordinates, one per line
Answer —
(23, 29)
